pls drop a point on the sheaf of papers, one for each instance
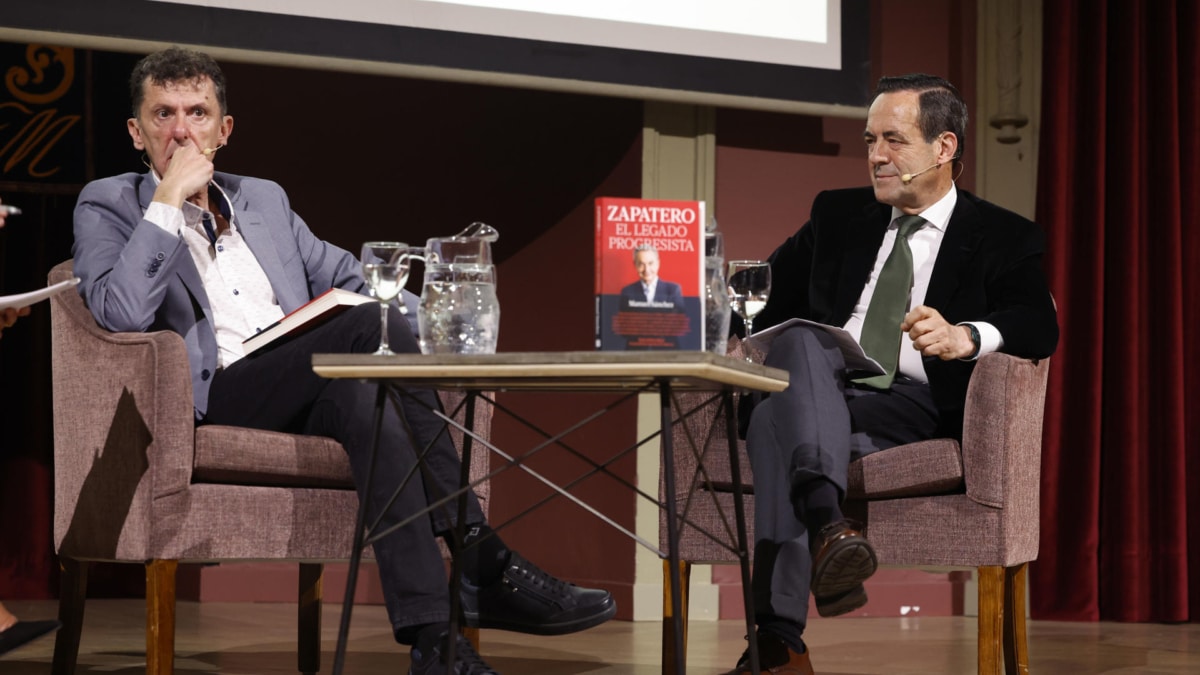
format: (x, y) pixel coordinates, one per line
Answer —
(852, 352)
(32, 297)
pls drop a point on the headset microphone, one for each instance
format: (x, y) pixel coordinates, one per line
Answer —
(907, 178)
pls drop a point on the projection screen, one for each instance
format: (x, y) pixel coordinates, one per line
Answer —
(787, 55)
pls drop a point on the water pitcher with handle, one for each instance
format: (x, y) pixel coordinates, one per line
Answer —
(459, 312)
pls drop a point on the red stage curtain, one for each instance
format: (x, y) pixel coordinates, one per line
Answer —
(1119, 173)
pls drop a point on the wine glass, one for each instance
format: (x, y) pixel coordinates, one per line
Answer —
(749, 286)
(385, 267)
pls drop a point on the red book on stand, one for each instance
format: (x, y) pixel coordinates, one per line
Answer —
(649, 274)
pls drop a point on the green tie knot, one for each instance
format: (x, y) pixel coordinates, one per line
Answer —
(908, 225)
(881, 326)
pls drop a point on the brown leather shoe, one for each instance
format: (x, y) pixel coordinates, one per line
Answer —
(842, 559)
(774, 657)
(842, 603)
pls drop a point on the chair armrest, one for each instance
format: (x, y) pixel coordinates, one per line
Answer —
(1002, 431)
(124, 427)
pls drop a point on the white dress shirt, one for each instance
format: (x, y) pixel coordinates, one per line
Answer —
(239, 293)
(924, 244)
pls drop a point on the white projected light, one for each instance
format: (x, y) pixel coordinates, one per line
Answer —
(786, 32)
(810, 57)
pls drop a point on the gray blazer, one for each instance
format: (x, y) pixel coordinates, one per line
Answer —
(137, 277)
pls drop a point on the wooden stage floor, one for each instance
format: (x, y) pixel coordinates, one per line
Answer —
(259, 639)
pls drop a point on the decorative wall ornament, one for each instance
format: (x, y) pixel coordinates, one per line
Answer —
(41, 113)
(1008, 118)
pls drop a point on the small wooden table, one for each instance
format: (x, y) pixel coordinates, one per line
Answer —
(630, 373)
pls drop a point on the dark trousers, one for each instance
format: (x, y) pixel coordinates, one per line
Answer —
(277, 390)
(813, 430)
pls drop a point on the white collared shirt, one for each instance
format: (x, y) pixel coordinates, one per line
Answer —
(648, 289)
(924, 244)
(239, 293)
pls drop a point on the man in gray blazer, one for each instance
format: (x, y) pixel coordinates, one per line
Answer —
(216, 257)
(952, 276)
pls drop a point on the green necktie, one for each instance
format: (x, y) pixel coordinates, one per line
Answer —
(881, 327)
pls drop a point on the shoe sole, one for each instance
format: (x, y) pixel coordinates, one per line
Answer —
(472, 619)
(842, 604)
(848, 563)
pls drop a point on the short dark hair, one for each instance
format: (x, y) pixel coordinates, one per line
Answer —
(942, 107)
(175, 64)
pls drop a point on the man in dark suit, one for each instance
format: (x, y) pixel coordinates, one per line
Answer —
(213, 257)
(648, 287)
(927, 278)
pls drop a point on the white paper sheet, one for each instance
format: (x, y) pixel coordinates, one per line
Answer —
(26, 299)
(856, 359)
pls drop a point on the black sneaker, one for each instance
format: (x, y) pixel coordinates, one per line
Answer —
(528, 600)
(427, 657)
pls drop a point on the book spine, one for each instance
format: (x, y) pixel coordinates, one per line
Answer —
(702, 270)
(599, 261)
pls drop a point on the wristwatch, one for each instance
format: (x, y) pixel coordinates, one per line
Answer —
(974, 340)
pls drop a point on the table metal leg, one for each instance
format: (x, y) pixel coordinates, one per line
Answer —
(668, 455)
(339, 656)
(456, 532)
(739, 512)
(460, 529)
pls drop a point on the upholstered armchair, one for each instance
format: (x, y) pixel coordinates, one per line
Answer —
(137, 482)
(936, 503)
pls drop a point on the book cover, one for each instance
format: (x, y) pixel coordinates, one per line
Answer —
(316, 311)
(649, 274)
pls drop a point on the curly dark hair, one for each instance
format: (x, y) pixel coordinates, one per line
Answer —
(175, 64)
(942, 107)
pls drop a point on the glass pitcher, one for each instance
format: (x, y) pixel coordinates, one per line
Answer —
(716, 295)
(459, 312)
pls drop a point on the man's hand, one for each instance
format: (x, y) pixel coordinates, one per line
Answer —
(932, 335)
(187, 175)
(8, 316)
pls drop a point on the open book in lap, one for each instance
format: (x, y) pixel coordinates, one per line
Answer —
(316, 311)
(852, 352)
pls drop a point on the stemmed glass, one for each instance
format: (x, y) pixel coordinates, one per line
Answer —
(749, 286)
(385, 266)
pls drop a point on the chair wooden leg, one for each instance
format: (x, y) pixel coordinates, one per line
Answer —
(991, 619)
(308, 620)
(472, 635)
(72, 594)
(160, 616)
(668, 627)
(1016, 655)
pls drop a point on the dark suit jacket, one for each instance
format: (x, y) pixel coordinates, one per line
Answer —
(664, 291)
(989, 268)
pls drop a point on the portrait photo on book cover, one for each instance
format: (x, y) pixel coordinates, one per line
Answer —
(651, 312)
(650, 291)
(641, 322)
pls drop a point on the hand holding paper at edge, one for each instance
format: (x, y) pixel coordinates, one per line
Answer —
(852, 352)
(26, 299)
